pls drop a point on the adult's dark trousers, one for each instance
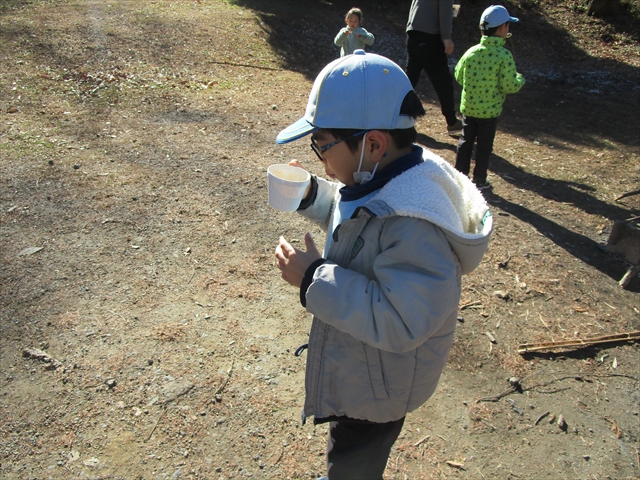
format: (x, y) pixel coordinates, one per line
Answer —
(425, 51)
(358, 450)
(481, 131)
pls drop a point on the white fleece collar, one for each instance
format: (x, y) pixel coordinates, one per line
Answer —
(437, 192)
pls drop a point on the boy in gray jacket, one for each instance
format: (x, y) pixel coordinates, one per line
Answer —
(402, 227)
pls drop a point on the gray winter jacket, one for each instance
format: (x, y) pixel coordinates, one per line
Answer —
(385, 302)
(432, 16)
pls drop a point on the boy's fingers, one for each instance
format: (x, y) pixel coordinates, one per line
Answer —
(286, 247)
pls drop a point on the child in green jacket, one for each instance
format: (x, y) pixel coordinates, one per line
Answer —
(487, 72)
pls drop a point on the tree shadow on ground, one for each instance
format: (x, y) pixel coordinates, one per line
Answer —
(580, 246)
(561, 191)
(570, 95)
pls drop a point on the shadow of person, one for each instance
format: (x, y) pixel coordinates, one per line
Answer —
(561, 191)
(433, 144)
(580, 246)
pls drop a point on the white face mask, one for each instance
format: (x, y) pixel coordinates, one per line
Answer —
(363, 177)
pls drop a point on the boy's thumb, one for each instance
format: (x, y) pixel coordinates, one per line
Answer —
(311, 246)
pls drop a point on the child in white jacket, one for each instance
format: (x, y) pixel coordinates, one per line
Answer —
(353, 36)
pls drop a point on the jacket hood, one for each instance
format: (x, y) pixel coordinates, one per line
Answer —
(437, 192)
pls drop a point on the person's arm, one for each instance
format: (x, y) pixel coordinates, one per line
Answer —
(319, 211)
(509, 79)
(365, 36)
(413, 292)
(458, 73)
(445, 15)
(341, 37)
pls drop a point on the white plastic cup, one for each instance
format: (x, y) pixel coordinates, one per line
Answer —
(286, 185)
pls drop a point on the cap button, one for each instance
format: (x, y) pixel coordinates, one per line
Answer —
(359, 52)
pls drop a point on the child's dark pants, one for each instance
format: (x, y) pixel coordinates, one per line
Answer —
(359, 451)
(484, 131)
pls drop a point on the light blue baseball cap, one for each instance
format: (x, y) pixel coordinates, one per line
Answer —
(494, 16)
(362, 91)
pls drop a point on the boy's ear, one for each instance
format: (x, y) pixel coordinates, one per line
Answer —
(378, 143)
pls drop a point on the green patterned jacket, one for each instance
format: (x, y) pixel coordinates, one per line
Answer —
(487, 72)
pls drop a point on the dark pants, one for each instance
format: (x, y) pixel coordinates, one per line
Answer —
(426, 52)
(482, 130)
(359, 451)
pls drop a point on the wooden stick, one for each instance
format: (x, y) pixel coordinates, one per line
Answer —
(541, 417)
(422, 440)
(621, 337)
(628, 194)
(164, 409)
(231, 64)
(632, 272)
(52, 363)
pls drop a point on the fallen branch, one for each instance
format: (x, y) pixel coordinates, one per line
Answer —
(621, 337)
(226, 381)
(497, 397)
(628, 194)
(541, 417)
(457, 465)
(52, 363)
(577, 376)
(475, 303)
(164, 409)
(422, 440)
(231, 64)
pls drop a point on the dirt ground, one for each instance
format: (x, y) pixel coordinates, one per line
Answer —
(145, 331)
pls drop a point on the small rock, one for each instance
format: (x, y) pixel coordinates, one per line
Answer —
(514, 382)
(76, 167)
(13, 109)
(111, 383)
(502, 294)
(562, 425)
(174, 390)
(91, 462)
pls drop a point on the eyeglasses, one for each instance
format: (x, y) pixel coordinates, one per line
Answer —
(319, 150)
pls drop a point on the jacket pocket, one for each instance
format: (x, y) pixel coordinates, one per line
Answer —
(376, 377)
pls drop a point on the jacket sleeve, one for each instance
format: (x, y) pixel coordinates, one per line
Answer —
(459, 71)
(319, 212)
(509, 79)
(341, 37)
(445, 13)
(413, 292)
(366, 37)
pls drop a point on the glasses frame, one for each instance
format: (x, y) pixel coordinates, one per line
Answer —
(319, 150)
